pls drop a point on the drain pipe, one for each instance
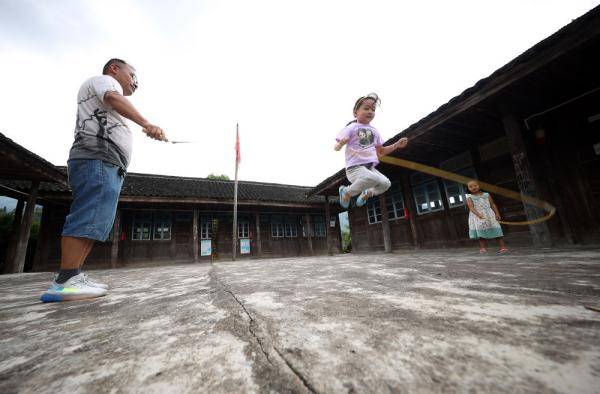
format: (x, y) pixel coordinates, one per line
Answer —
(557, 106)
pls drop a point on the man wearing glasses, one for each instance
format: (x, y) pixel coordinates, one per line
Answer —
(97, 163)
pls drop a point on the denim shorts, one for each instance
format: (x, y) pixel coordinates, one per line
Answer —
(96, 186)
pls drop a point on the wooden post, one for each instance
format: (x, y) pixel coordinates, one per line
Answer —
(173, 243)
(308, 235)
(327, 226)
(539, 232)
(385, 224)
(258, 241)
(447, 215)
(114, 249)
(40, 257)
(14, 235)
(18, 262)
(409, 204)
(195, 236)
(555, 180)
(353, 238)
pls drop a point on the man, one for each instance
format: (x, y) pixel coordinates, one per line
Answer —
(97, 163)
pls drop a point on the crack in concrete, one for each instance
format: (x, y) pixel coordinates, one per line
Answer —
(253, 322)
(296, 372)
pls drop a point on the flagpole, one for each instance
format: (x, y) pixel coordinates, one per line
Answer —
(235, 190)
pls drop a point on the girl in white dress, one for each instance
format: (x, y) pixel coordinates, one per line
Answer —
(483, 218)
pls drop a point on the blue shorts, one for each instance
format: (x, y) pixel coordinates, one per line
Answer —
(96, 186)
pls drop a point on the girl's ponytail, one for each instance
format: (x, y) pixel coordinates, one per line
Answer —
(349, 123)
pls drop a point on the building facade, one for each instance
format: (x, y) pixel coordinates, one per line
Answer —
(170, 218)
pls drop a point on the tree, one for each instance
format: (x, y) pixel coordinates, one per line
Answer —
(221, 177)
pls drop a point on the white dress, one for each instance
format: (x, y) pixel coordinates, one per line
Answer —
(488, 227)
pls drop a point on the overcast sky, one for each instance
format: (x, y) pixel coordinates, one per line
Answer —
(287, 71)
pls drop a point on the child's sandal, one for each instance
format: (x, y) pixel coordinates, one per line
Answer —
(360, 201)
(483, 250)
(342, 193)
(503, 250)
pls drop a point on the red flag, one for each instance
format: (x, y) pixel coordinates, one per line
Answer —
(238, 155)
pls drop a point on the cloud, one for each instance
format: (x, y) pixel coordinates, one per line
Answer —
(47, 25)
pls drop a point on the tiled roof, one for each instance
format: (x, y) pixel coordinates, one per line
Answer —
(150, 185)
(35, 163)
(173, 186)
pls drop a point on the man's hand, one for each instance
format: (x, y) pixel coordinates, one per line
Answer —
(154, 132)
(401, 143)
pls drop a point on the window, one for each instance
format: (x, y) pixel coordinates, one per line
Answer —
(205, 227)
(456, 191)
(395, 203)
(374, 211)
(142, 224)
(428, 197)
(319, 226)
(277, 227)
(291, 229)
(162, 226)
(243, 229)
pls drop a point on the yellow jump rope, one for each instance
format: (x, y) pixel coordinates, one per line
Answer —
(549, 208)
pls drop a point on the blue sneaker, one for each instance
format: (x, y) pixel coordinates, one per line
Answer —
(342, 193)
(76, 288)
(362, 198)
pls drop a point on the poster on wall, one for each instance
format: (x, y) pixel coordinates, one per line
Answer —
(205, 247)
(244, 246)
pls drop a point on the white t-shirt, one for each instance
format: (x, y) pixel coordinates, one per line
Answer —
(100, 132)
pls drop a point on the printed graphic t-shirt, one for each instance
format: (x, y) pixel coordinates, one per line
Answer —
(362, 142)
(100, 132)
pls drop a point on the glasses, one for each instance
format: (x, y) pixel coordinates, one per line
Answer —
(133, 77)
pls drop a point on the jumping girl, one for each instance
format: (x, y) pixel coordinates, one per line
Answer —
(364, 147)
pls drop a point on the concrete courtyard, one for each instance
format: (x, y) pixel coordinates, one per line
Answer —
(416, 321)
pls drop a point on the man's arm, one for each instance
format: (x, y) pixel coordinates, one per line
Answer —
(124, 107)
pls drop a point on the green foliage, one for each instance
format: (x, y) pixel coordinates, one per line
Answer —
(346, 242)
(221, 177)
(6, 221)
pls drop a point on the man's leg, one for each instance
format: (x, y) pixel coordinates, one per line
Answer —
(87, 252)
(74, 251)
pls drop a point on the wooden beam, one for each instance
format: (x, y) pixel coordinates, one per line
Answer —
(196, 200)
(114, 249)
(385, 224)
(18, 263)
